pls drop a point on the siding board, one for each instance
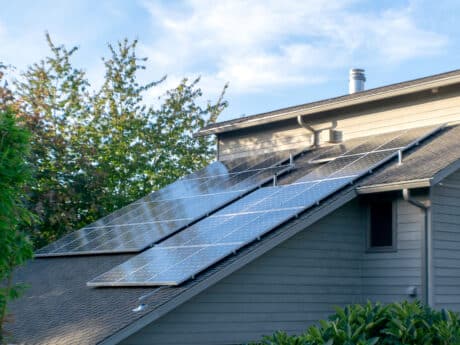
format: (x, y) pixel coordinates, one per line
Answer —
(386, 276)
(424, 111)
(446, 244)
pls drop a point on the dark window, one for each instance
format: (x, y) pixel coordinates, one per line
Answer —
(381, 224)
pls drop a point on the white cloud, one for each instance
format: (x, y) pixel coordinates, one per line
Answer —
(270, 47)
(273, 43)
(15, 53)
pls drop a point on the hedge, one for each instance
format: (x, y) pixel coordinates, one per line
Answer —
(376, 324)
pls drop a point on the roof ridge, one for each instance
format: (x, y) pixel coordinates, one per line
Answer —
(445, 78)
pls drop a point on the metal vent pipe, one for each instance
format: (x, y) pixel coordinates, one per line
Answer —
(356, 80)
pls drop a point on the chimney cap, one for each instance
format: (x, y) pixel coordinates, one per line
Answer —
(358, 73)
(356, 80)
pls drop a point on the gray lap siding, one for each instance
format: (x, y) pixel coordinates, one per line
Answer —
(446, 243)
(297, 283)
(386, 276)
(288, 288)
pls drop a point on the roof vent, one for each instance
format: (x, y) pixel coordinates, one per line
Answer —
(356, 81)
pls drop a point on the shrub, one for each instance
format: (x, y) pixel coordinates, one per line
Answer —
(376, 324)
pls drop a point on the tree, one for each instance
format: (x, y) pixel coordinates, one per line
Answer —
(15, 247)
(53, 100)
(95, 150)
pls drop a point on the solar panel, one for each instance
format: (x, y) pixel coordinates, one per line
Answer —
(201, 245)
(171, 265)
(164, 212)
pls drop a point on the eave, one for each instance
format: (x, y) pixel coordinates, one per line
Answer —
(388, 187)
(432, 83)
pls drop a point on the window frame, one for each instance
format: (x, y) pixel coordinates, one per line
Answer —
(394, 225)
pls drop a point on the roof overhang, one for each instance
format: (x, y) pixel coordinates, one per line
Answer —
(423, 84)
(393, 186)
(410, 184)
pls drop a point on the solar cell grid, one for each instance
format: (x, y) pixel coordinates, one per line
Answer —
(169, 267)
(412, 136)
(219, 179)
(375, 143)
(207, 231)
(252, 216)
(162, 213)
(332, 152)
(330, 168)
(259, 225)
(364, 163)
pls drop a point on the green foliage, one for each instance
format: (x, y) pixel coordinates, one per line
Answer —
(375, 324)
(52, 97)
(282, 338)
(95, 150)
(15, 248)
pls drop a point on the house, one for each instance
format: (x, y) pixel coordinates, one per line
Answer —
(389, 232)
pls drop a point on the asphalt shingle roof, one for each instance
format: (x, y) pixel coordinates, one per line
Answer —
(422, 162)
(59, 308)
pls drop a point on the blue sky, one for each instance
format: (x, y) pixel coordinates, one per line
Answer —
(273, 53)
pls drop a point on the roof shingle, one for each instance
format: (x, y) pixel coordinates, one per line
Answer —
(59, 308)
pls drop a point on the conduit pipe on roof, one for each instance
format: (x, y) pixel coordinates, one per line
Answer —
(309, 128)
(425, 207)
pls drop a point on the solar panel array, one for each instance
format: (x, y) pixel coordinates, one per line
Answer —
(201, 245)
(162, 213)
